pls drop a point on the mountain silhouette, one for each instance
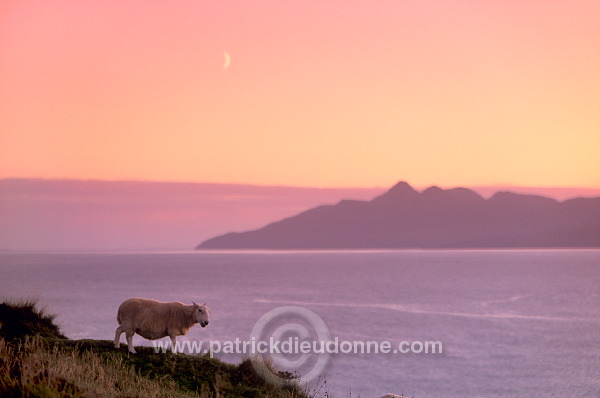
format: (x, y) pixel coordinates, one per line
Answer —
(435, 218)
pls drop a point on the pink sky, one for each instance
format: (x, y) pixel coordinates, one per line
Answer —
(100, 215)
(318, 93)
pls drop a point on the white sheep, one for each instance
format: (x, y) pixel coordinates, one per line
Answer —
(153, 320)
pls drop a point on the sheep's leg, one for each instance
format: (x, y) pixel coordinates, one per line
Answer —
(129, 337)
(174, 344)
(118, 333)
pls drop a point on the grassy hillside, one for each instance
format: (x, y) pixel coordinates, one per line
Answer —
(36, 360)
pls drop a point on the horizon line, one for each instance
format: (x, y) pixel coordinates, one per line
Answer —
(304, 186)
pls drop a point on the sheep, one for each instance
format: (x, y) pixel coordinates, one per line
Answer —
(153, 320)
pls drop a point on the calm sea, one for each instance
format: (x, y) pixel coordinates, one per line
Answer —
(522, 323)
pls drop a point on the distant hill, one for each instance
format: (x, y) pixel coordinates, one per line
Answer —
(435, 218)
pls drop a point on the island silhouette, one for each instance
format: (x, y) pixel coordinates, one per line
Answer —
(434, 218)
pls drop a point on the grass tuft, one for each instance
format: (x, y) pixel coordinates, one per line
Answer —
(26, 318)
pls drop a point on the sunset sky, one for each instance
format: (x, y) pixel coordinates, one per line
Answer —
(318, 93)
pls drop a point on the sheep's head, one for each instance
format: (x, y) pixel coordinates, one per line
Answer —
(201, 314)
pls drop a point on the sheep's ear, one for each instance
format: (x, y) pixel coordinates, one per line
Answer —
(195, 305)
(204, 305)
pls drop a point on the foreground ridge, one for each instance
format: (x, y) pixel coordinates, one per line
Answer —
(36, 360)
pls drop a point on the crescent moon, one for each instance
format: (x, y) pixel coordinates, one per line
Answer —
(227, 60)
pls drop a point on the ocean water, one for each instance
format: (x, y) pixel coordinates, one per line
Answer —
(520, 323)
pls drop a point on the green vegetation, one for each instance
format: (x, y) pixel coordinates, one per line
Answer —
(36, 360)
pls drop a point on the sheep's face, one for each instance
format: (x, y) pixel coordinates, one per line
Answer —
(201, 314)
